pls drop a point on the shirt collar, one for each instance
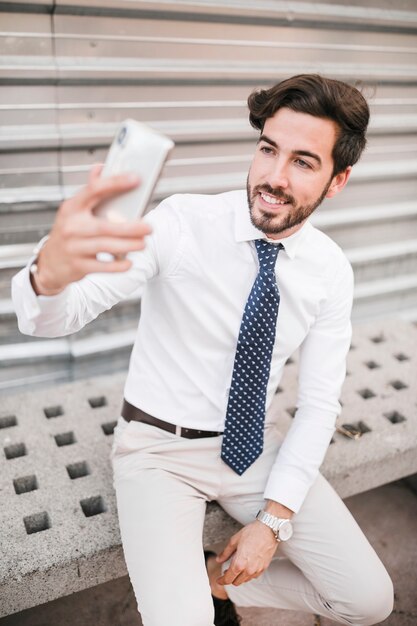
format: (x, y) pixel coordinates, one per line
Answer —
(246, 231)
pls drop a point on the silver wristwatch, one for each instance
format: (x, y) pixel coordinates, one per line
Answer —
(282, 528)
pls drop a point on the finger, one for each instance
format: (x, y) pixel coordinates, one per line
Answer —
(90, 266)
(227, 552)
(229, 576)
(242, 578)
(83, 226)
(95, 172)
(133, 229)
(100, 189)
(226, 579)
(92, 246)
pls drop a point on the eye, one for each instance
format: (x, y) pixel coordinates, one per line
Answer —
(266, 150)
(303, 164)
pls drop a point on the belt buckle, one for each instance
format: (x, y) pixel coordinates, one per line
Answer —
(178, 430)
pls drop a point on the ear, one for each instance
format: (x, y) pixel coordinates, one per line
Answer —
(338, 182)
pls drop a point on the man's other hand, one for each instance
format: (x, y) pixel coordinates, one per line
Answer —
(77, 236)
(252, 548)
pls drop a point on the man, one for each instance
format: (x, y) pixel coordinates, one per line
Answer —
(235, 283)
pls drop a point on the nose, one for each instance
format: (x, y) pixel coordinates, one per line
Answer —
(278, 176)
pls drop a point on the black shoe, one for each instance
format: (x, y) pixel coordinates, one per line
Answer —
(225, 613)
(224, 610)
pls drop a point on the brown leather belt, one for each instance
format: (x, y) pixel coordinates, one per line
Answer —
(130, 412)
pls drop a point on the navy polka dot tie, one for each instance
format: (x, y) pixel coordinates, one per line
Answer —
(244, 429)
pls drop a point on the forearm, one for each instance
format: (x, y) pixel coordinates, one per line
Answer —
(277, 509)
(71, 309)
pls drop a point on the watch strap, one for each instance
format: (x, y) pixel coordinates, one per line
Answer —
(269, 520)
(280, 526)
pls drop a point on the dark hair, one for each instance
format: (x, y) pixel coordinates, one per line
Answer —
(320, 97)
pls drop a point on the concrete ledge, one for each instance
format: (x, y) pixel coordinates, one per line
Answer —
(59, 529)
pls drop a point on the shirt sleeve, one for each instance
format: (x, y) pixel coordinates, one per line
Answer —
(322, 370)
(81, 302)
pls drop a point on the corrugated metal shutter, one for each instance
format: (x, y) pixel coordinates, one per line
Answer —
(70, 72)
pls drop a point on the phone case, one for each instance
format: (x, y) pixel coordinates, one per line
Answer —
(138, 149)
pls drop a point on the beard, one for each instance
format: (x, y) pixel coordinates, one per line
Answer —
(273, 224)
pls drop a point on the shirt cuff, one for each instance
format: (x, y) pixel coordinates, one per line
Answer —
(287, 490)
(29, 306)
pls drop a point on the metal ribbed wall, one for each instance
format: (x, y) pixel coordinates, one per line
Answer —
(70, 72)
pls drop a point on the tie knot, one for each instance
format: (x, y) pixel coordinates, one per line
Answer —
(267, 253)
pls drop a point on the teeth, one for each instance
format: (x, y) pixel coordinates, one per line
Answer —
(272, 200)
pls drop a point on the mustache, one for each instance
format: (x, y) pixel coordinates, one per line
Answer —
(277, 193)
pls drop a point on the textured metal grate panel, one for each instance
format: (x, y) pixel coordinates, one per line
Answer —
(71, 71)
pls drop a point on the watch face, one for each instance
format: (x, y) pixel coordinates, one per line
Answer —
(285, 531)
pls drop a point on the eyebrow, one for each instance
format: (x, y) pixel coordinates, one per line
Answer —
(306, 153)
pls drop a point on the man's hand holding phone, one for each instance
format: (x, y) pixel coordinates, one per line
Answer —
(104, 216)
(77, 236)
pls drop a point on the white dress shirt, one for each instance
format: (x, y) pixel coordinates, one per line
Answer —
(197, 271)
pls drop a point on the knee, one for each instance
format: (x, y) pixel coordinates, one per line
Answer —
(374, 601)
(379, 602)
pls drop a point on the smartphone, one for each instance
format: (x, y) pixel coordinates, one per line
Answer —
(139, 149)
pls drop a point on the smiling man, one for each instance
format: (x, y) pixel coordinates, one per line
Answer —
(233, 284)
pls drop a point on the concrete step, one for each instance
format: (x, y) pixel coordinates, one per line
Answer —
(12, 258)
(117, 329)
(70, 347)
(377, 262)
(379, 183)
(29, 198)
(43, 362)
(122, 317)
(395, 296)
(36, 362)
(48, 196)
(360, 226)
(96, 135)
(18, 227)
(9, 332)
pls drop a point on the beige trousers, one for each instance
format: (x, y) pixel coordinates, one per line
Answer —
(163, 483)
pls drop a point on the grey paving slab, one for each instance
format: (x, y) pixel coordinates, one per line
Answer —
(388, 517)
(271, 617)
(109, 604)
